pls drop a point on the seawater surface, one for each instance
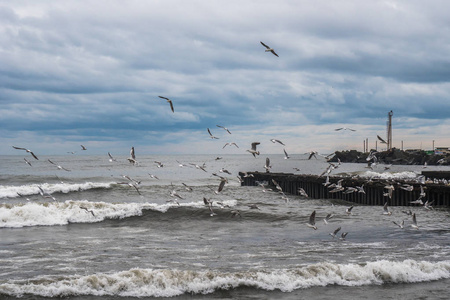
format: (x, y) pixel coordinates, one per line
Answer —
(99, 239)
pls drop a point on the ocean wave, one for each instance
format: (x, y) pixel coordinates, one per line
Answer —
(10, 191)
(170, 283)
(83, 211)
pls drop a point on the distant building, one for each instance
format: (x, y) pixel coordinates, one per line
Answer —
(442, 150)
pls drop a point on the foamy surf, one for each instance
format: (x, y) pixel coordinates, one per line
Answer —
(9, 191)
(390, 176)
(170, 283)
(62, 213)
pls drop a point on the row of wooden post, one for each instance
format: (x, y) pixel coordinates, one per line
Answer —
(374, 190)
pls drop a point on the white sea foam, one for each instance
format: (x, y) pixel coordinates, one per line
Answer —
(389, 176)
(169, 283)
(10, 191)
(62, 213)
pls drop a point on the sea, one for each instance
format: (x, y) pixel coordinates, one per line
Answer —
(106, 229)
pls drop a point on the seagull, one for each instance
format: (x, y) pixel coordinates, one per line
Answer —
(381, 140)
(83, 147)
(267, 166)
(277, 186)
(222, 170)
(253, 150)
(230, 144)
(349, 210)
(28, 163)
(169, 101)
(302, 192)
(286, 156)
(210, 134)
(111, 158)
(224, 128)
(181, 165)
(277, 141)
(199, 167)
(153, 176)
(174, 193)
(333, 234)
(45, 194)
(247, 175)
(131, 184)
(343, 235)
(58, 166)
(208, 202)
(28, 150)
(327, 218)
(386, 210)
(87, 210)
(132, 158)
(401, 225)
(344, 128)
(311, 154)
(427, 205)
(188, 188)
(268, 49)
(414, 222)
(159, 164)
(312, 221)
(220, 187)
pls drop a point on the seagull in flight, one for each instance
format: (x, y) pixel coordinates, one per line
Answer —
(253, 150)
(344, 128)
(327, 218)
(83, 147)
(58, 166)
(111, 158)
(224, 128)
(269, 49)
(311, 154)
(27, 162)
(414, 222)
(381, 140)
(386, 210)
(230, 144)
(401, 225)
(277, 141)
(286, 156)
(312, 221)
(28, 150)
(169, 101)
(333, 234)
(132, 158)
(210, 134)
(267, 166)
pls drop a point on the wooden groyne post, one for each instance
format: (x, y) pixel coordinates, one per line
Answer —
(374, 189)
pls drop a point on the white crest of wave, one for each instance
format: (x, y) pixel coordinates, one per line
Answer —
(169, 283)
(61, 213)
(389, 176)
(10, 191)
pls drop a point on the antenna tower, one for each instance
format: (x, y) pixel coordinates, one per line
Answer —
(389, 131)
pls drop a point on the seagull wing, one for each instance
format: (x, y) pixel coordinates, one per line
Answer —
(312, 218)
(165, 98)
(264, 45)
(273, 52)
(171, 105)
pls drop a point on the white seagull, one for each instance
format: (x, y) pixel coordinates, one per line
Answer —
(28, 150)
(333, 234)
(414, 221)
(277, 141)
(253, 149)
(28, 163)
(286, 156)
(58, 166)
(268, 49)
(224, 128)
(210, 135)
(111, 158)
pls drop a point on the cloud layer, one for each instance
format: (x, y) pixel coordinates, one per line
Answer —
(88, 72)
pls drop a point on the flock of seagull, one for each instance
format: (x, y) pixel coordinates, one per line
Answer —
(335, 187)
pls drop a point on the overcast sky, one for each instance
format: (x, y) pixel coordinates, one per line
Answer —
(90, 72)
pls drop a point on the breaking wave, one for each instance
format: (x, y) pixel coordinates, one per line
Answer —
(10, 191)
(83, 211)
(170, 283)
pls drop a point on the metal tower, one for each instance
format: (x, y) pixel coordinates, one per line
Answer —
(389, 131)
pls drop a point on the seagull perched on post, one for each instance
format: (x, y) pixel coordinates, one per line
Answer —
(269, 49)
(169, 101)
